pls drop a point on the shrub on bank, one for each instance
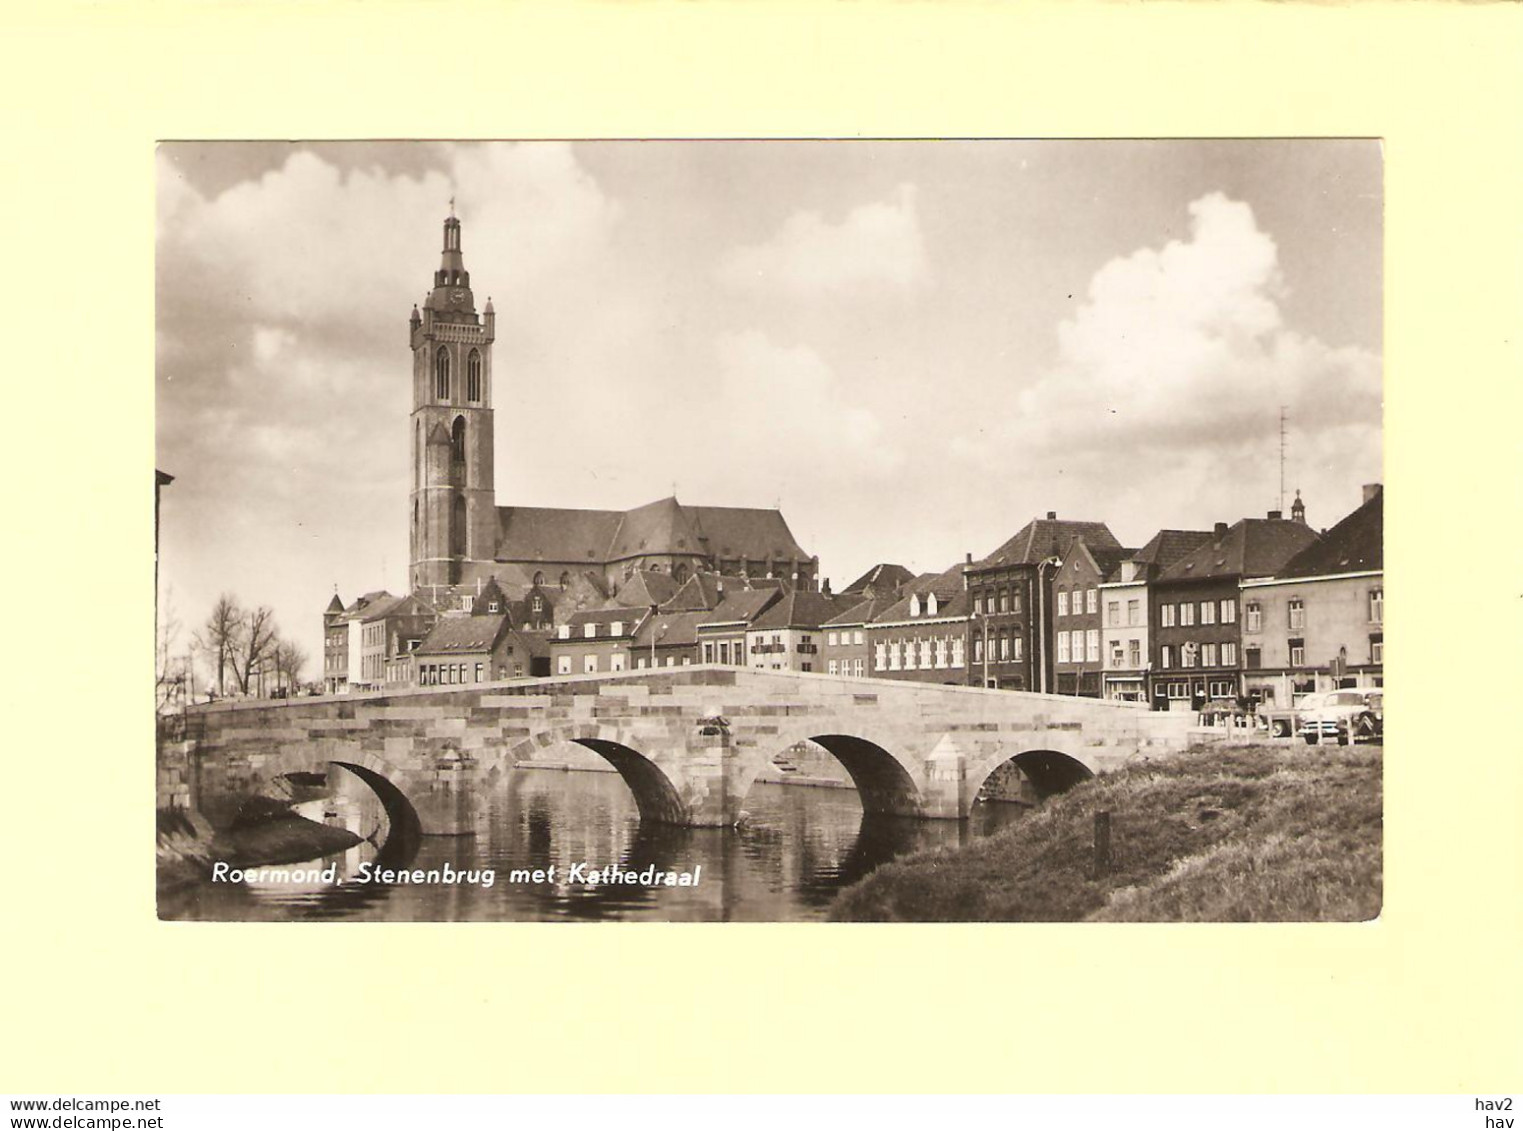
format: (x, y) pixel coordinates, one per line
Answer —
(1223, 833)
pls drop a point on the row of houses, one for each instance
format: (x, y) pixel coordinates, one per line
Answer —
(1265, 609)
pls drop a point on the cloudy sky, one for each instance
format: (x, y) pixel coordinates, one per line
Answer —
(911, 347)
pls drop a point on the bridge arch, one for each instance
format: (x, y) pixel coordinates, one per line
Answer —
(884, 782)
(656, 797)
(1048, 771)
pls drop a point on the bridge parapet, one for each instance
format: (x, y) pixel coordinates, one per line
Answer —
(688, 741)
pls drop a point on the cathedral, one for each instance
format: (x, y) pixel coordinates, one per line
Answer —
(461, 537)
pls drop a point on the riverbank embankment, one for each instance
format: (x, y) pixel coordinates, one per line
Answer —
(1221, 833)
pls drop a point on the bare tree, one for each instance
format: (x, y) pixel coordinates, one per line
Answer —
(256, 645)
(290, 659)
(221, 639)
(170, 670)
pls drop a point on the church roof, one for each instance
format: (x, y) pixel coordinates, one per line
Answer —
(555, 534)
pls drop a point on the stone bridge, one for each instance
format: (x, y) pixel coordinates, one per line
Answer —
(689, 742)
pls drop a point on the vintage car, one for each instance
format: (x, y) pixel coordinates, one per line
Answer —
(1349, 715)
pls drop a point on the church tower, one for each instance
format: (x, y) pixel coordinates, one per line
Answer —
(454, 511)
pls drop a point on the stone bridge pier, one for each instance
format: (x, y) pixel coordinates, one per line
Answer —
(688, 742)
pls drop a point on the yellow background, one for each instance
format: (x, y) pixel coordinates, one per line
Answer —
(101, 997)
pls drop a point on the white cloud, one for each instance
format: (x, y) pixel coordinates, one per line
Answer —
(875, 245)
(1170, 378)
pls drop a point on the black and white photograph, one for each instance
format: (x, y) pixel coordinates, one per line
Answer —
(824, 531)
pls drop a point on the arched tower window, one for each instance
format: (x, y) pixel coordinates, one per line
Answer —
(565, 580)
(441, 374)
(473, 377)
(457, 441)
(417, 458)
(539, 578)
(679, 573)
(457, 529)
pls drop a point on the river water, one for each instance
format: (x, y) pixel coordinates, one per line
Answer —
(797, 848)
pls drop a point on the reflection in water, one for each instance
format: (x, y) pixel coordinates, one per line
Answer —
(798, 848)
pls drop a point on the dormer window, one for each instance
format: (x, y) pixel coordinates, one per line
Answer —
(565, 632)
(589, 630)
(492, 606)
(914, 604)
(930, 605)
(616, 628)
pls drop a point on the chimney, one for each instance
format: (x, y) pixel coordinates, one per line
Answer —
(1276, 515)
(1221, 530)
(969, 560)
(1370, 491)
(825, 587)
(1052, 515)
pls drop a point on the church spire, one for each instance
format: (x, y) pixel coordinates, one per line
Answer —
(452, 282)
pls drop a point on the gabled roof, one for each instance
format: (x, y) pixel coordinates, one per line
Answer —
(647, 587)
(943, 584)
(1356, 544)
(1043, 538)
(1105, 560)
(954, 604)
(454, 635)
(625, 614)
(701, 591)
(1167, 547)
(335, 605)
(1253, 547)
(741, 606)
(800, 609)
(670, 630)
(883, 577)
(863, 612)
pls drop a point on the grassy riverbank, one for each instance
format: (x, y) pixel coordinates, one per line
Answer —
(1284, 832)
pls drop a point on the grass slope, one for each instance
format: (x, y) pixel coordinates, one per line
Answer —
(1281, 832)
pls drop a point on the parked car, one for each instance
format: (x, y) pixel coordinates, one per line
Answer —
(1349, 715)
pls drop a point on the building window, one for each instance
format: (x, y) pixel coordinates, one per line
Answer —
(1377, 606)
(1297, 651)
(830, 668)
(473, 377)
(1166, 616)
(1252, 657)
(1229, 610)
(1113, 614)
(1063, 603)
(857, 637)
(1296, 614)
(1208, 612)
(858, 666)
(1134, 653)
(1092, 644)
(832, 639)
(978, 603)
(1118, 655)
(441, 374)
(1091, 600)
(640, 663)
(590, 662)
(1253, 617)
(1187, 653)
(480, 672)
(880, 656)
(708, 653)
(1377, 648)
(1186, 614)
(563, 665)
(978, 649)
(1015, 647)
(1133, 613)
(957, 646)
(616, 662)
(1015, 602)
(1063, 648)
(1229, 654)
(1167, 660)
(1004, 601)
(1208, 655)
